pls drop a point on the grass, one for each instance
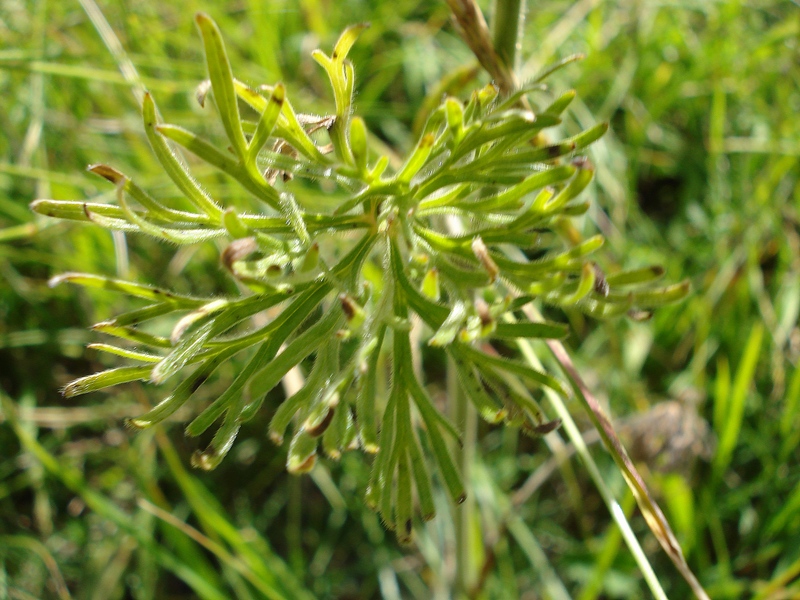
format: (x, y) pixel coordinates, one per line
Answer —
(699, 172)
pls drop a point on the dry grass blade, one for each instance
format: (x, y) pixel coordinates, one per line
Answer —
(652, 512)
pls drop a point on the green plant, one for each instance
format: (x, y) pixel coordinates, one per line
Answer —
(469, 229)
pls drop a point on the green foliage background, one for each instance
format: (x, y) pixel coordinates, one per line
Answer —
(699, 172)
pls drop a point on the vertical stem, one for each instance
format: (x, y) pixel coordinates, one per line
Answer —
(507, 23)
(472, 27)
(465, 417)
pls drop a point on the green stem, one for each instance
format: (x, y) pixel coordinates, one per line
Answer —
(465, 418)
(507, 23)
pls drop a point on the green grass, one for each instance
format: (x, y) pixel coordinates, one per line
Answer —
(700, 173)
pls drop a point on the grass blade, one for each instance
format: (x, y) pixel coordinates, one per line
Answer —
(108, 510)
(650, 510)
(730, 422)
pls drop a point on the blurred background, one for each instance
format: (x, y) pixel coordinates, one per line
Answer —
(699, 172)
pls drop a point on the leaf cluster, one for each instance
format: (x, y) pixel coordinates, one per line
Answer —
(468, 229)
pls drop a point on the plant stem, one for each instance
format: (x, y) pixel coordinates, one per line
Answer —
(507, 23)
(472, 28)
(465, 418)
